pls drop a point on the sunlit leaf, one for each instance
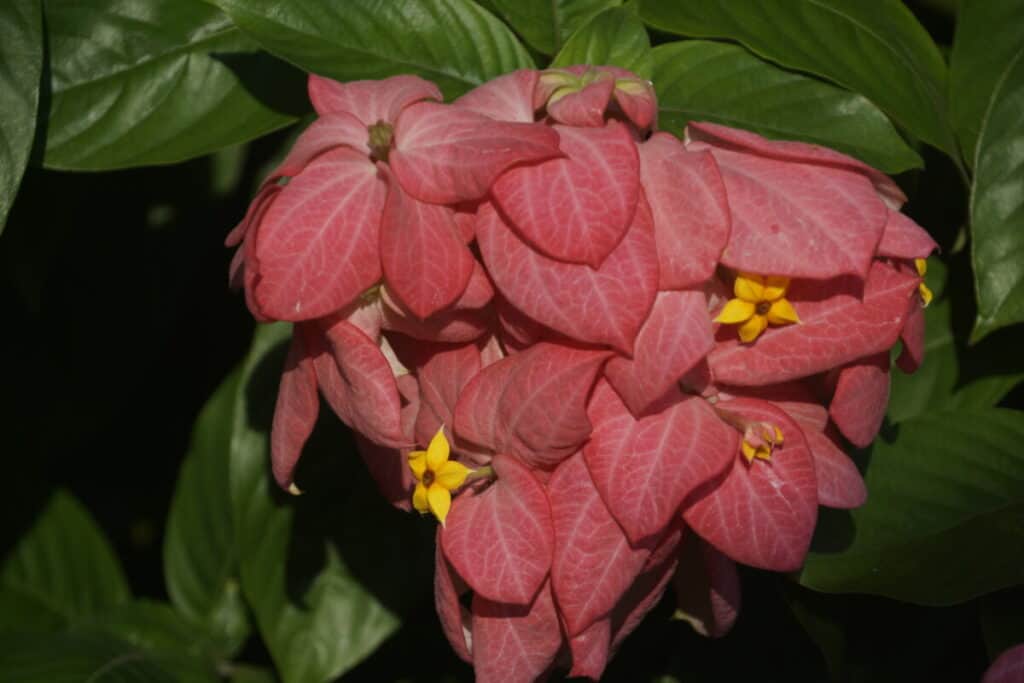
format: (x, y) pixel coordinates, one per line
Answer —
(874, 48)
(997, 206)
(615, 37)
(21, 63)
(547, 24)
(157, 82)
(455, 43)
(698, 80)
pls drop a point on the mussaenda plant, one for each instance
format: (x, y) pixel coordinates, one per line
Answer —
(605, 359)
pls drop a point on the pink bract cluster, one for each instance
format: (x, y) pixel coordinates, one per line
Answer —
(536, 272)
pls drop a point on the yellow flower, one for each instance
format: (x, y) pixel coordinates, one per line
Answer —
(436, 477)
(922, 289)
(759, 301)
(759, 441)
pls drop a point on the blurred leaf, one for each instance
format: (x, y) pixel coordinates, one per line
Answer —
(546, 24)
(867, 639)
(64, 565)
(327, 573)
(614, 37)
(157, 82)
(200, 551)
(875, 48)
(455, 43)
(699, 80)
(89, 657)
(149, 625)
(1002, 620)
(944, 521)
(989, 37)
(23, 613)
(21, 64)
(251, 674)
(997, 206)
(166, 636)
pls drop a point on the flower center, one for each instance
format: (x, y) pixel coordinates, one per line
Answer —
(380, 140)
(763, 307)
(428, 478)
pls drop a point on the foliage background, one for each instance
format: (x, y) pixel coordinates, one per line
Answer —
(141, 537)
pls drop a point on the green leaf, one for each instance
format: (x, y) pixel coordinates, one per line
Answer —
(989, 36)
(251, 674)
(455, 43)
(327, 573)
(547, 24)
(64, 564)
(200, 551)
(697, 80)
(944, 521)
(21, 64)
(875, 48)
(157, 82)
(997, 206)
(615, 37)
(92, 657)
(163, 634)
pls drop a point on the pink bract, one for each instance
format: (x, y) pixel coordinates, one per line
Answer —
(533, 273)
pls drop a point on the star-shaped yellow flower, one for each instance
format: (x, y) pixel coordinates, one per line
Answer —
(926, 294)
(436, 477)
(759, 301)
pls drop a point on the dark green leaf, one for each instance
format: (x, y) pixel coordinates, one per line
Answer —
(64, 564)
(168, 638)
(251, 674)
(875, 48)
(942, 383)
(989, 36)
(455, 43)
(997, 206)
(21, 64)
(944, 521)
(546, 24)
(89, 657)
(24, 613)
(200, 552)
(327, 573)
(152, 626)
(699, 80)
(157, 82)
(616, 37)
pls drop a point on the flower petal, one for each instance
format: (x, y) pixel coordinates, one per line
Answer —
(782, 313)
(752, 329)
(419, 499)
(418, 463)
(735, 311)
(775, 287)
(437, 451)
(749, 287)
(440, 501)
(452, 474)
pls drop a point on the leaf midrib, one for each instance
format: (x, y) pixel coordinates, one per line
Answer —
(150, 59)
(360, 50)
(934, 96)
